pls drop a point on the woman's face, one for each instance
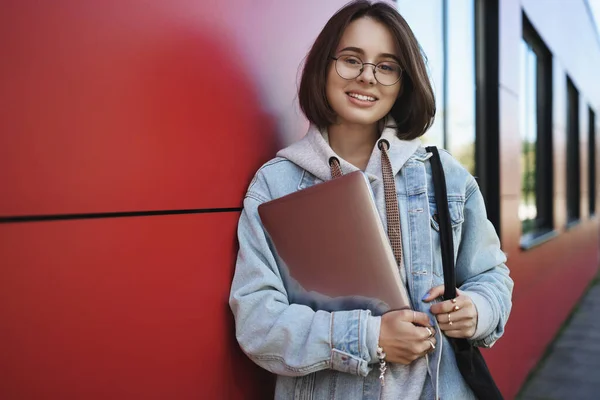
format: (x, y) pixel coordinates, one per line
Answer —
(363, 100)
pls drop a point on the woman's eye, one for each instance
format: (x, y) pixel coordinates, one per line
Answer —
(387, 67)
(352, 60)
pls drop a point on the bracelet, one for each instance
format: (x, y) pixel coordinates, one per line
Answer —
(382, 364)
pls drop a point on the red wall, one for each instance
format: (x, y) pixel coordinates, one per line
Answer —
(132, 106)
(124, 308)
(122, 107)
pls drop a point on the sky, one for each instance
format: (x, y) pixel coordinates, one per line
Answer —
(595, 7)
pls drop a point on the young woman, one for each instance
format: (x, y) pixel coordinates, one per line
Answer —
(366, 92)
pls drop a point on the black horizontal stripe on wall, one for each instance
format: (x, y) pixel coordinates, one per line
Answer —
(124, 214)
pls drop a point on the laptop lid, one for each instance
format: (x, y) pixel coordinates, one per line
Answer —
(332, 250)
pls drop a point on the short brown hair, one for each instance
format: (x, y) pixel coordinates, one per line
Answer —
(414, 109)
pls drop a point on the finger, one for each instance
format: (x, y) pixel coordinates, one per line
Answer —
(421, 347)
(443, 319)
(426, 332)
(434, 293)
(460, 315)
(466, 325)
(456, 317)
(452, 321)
(428, 346)
(452, 306)
(432, 344)
(414, 317)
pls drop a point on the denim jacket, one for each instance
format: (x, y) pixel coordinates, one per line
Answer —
(332, 355)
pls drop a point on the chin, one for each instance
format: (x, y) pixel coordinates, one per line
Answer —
(359, 118)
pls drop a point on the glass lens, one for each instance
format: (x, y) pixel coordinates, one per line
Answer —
(387, 72)
(348, 67)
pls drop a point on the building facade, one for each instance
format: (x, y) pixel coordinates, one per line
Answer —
(131, 129)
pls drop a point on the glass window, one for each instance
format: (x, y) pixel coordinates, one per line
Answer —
(460, 82)
(446, 32)
(425, 19)
(535, 127)
(447, 37)
(528, 129)
(573, 168)
(592, 161)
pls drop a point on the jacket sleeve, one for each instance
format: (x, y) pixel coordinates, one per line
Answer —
(291, 339)
(481, 271)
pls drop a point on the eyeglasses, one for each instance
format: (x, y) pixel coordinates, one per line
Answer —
(387, 73)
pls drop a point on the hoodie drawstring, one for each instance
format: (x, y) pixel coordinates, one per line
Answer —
(391, 202)
(336, 169)
(391, 199)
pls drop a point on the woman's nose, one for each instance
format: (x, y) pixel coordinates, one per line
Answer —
(368, 75)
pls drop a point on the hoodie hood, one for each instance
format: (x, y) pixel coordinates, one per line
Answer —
(312, 153)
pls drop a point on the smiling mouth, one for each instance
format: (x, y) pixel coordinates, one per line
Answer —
(362, 97)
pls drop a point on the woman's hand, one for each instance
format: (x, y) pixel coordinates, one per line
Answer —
(457, 318)
(402, 340)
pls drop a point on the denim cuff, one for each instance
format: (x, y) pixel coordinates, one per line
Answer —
(373, 328)
(350, 352)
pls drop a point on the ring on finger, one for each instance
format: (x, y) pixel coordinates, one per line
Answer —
(431, 344)
(431, 333)
(456, 308)
(449, 320)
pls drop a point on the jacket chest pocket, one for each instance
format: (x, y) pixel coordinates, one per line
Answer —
(456, 209)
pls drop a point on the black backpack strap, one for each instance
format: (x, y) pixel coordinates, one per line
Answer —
(446, 239)
(469, 359)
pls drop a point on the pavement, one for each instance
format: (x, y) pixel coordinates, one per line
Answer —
(570, 370)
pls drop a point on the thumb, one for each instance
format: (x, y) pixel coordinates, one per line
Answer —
(434, 293)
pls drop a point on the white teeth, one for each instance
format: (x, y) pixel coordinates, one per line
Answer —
(361, 97)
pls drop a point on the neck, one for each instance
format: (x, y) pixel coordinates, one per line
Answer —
(354, 143)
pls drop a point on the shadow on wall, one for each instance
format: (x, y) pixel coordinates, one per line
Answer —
(217, 107)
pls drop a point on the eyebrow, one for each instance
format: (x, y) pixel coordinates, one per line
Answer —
(361, 51)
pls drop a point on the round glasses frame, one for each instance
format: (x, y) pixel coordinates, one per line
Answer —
(362, 68)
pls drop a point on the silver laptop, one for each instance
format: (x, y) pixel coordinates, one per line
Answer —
(332, 250)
